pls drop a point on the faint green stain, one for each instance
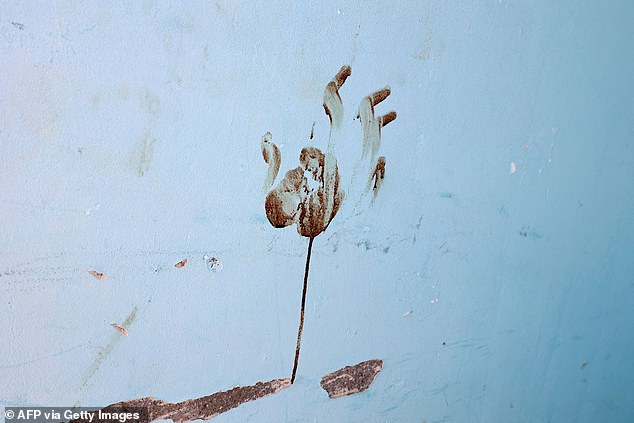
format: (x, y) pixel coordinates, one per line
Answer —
(142, 153)
(95, 100)
(149, 103)
(124, 91)
(131, 318)
(105, 352)
(425, 46)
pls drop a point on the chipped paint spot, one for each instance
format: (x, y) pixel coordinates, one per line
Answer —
(351, 379)
(98, 275)
(120, 328)
(181, 263)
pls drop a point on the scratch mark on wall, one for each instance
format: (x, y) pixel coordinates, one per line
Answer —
(43, 357)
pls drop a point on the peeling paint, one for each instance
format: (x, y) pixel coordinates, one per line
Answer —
(351, 379)
(204, 408)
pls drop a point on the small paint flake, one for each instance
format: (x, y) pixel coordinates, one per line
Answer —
(100, 276)
(513, 168)
(181, 263)
(89, 210)
(120, 328)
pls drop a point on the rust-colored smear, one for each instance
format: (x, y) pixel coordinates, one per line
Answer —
(387, 118)
(333, 105)
(342, 75)
(100, 276)
(378, 175)
(351, 379)
(380, 95)
(283, 201)
(272, 157)
(372, 125)
(182, 263)
(205, 408)
(120, 328)
(308, 195)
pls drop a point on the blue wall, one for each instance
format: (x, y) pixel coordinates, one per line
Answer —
(129, 137)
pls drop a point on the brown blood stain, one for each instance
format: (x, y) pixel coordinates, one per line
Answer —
(380, 95)
(378, 175)
(310, 195)
(98, 275)
(181, 263)
(204, 408)
(351, 379)
(272, 157)
(333, 105)
(307, 195)
(371, 124)
(387, 118)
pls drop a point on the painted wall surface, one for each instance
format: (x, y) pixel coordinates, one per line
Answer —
(493, 273)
